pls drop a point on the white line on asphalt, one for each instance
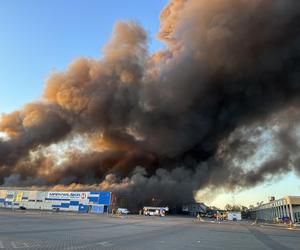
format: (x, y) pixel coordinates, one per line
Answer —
(1, 244)
(105, 243)
(19, 244)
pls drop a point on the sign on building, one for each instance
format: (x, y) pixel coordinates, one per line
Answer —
(18, 197)
(67, 195)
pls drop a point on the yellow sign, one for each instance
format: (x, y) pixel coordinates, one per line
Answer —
(19, 197)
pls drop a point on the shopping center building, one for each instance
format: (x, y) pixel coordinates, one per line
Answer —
(284, 208)
(84, 201)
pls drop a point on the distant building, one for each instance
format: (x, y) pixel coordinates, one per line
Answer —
(194, 209)
(84, 202)
(287, 208)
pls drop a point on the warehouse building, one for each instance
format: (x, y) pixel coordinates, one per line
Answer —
(194, 209)
(94, 202)
(287, 208)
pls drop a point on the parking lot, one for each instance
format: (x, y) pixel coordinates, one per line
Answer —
(50, 230)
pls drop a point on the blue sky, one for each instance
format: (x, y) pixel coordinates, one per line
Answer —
(38, 37)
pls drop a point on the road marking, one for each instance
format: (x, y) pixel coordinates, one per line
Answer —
(19, 244)
(198, 241)
(105, 243)
(162, 241)
(1, 244)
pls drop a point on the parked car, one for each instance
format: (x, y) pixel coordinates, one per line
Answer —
(155, 211)
(123, 211)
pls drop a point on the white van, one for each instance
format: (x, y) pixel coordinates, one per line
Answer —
(155, 211)
(234, 216)
(122, 211)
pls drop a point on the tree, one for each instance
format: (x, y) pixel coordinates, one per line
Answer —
(228, 207)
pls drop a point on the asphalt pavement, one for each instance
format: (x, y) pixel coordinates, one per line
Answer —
(50, 230)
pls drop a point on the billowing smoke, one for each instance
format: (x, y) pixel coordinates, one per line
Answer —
(198, 114)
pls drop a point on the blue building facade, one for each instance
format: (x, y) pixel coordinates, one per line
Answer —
(83, 202)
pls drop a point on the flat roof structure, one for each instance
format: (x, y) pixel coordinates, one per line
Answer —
(286, 208)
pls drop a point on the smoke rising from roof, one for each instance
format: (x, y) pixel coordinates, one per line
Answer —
(167, 124)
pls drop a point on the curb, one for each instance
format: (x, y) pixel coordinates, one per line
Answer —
(281, 226)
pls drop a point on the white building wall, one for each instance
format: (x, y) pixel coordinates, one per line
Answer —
(279, 209)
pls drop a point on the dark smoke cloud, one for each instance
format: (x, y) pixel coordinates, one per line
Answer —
(187, 115)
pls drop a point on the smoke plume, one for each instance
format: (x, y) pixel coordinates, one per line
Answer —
(158, 127)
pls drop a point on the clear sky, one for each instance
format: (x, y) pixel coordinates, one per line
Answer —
(37, 37)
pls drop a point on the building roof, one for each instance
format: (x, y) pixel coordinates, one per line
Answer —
(293, 200)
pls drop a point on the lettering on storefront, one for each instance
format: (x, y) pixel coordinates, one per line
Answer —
(67, 195)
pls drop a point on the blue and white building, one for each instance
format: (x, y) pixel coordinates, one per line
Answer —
(84, 202)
